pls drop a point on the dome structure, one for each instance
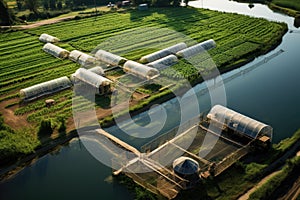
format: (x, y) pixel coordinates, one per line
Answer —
(185, 166)
(188, 169)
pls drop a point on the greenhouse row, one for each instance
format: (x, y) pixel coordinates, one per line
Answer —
(196, 49)
(82, 58)
(45, 88)
(164, 62)
(163, 53)
(94, 77)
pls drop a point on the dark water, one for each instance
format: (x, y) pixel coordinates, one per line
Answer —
(269, 93)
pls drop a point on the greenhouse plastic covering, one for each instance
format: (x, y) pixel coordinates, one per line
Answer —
(97, 70)
(110, 58)
(82, 58)
(239, 122)
(74, 55)
(164, 52)
(196, 49)
(45, 88)
(140, 70)
(48, 38)
(164, 62)
(55, 50)
(91, 78)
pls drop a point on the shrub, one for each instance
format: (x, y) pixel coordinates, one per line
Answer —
(45, 128)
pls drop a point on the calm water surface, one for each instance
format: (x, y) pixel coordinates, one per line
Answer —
(269, 93)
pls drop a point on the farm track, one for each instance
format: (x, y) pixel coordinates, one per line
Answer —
(38, 24)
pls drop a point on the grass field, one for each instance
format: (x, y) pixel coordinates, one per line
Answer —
(23, 63)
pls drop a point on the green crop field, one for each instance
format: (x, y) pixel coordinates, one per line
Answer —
(23, 63)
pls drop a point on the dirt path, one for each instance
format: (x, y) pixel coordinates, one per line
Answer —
(259, 184)
(16, 122)
(294, 191)
(39, 23)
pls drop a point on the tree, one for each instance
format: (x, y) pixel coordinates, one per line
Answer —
(69, 3)
(6, 16)
(52, 4)
(62, 128)
(32, 5)
(20, 4)
(45, 129)
(160, 3)
(46, 4)
(59, 5)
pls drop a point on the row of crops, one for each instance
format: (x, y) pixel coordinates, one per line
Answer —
(23, 63)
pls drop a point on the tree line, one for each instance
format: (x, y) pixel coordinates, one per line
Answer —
(41, 9)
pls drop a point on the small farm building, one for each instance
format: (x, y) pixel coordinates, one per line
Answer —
(98, 83)
(239, 123)
(140, 70)
(82, 58)
(163, 53)
(45, 88)
(48, 38)
(56, 51)
(109, 58)
(164, 62)
(196, 49)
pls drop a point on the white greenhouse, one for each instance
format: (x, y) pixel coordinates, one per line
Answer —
(74, 55)
(56, 51)
(163, 53)
(109, 58)
(239, 123)
(196, 49)
(48, 38)
(140, 70)
(164, 62)
(99, 84)
(45, 88)
(97, 70)
(82, 58)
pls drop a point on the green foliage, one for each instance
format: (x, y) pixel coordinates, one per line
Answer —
(16, 144)
(292, 4)
(62, 127)
(265, 191)
(6, 15)
(287, 143)
(45, 129)
(33, 5)
(254, 170)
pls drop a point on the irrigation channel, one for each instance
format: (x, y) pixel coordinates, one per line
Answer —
(266, 89)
